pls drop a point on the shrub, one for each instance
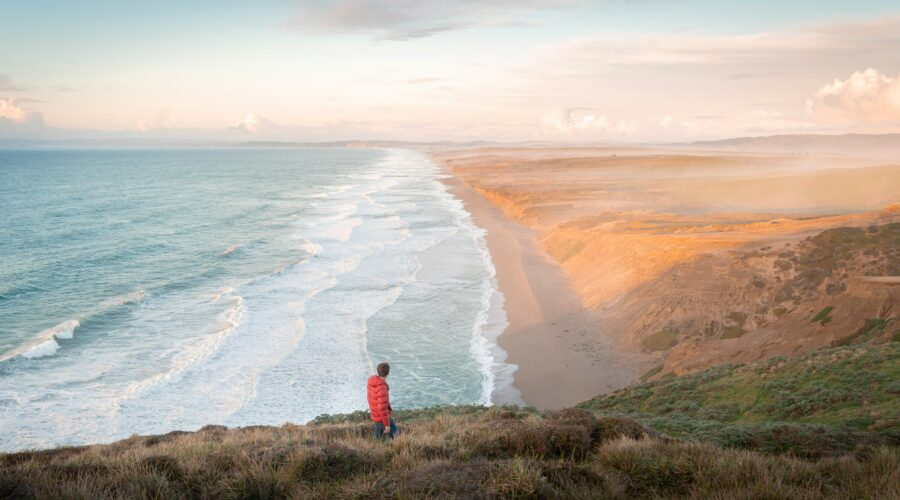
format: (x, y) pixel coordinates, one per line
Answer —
(824, 316)
(612, 428)
(331, 462)
(538, 440)
(662, 340)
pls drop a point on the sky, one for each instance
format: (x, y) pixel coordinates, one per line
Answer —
(501, 70)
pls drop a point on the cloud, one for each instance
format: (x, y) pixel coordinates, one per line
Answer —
(866, 97)
(7, 85)
(256, 125)
(744, 76)
(157, 122)
(626, 128)
(582, 122)
(756, 55)
(408, 19)
(15, 117)
(425, 79)
(683, 75)
(566, 121)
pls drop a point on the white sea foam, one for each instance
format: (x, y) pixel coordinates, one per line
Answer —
(378, 184)
(388, 299)
(312, 249)
(338, 225)
(490, 321)
(45, 348)
(255, 352)
(225, 291)
(343, 231)
(128, 298)
(231, 249)
(341, 188)
(481, 345)
(338, 213)
(44, 343)
(346, 265)
(195, 351)
(370, 176)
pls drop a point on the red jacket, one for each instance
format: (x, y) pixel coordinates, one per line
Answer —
(379, 401)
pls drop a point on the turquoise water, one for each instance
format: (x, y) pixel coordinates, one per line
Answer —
(146, 291)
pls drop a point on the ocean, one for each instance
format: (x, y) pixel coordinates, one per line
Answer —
(144, 291)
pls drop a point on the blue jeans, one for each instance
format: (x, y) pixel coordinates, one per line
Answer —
(379, 430)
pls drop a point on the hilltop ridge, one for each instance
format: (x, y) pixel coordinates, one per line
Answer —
(870, 144)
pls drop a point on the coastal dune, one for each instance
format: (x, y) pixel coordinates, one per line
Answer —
(671, 261)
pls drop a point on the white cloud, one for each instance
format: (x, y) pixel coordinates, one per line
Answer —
(14, 117)
(255, 124)
(866, 97)
(625, 128)
(756, 55)
(7, 85)
(660, 83)
(582, 123)
(157, 122)
(565, 121)
(407, 19)
(765, 114)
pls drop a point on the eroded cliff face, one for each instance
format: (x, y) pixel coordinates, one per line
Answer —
(666, 247)
(776, 299)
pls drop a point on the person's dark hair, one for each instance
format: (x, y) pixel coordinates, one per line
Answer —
(383, 369)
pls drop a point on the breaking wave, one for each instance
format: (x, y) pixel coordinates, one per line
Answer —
(44, 343)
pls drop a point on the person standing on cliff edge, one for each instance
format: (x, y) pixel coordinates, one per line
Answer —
(380, 403)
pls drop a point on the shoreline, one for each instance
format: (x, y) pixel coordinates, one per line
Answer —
(680, 270)
(561, 356)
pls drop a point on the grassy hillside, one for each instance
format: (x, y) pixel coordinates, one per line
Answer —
(820, 425)
(822, 402)
(456, 453)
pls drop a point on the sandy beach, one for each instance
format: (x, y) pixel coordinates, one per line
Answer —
(621, 264)
(562, 356)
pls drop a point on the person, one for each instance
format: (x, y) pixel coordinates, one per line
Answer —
(380, 403)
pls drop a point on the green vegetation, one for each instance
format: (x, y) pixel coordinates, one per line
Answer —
(824, 316)
(733, 332)
(842, 241)
(737, 317)
(821, 403)
(661, 340)
(735, 325)
(871, 328)
(651, 372)
(822, 262)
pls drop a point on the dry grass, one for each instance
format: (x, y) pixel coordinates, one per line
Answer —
(476, 453)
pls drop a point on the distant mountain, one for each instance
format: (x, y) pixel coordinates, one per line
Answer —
(433, 145)
(870, 144)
